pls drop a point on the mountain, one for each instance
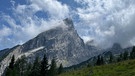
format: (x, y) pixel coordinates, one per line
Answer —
(3, 53)
(116, 50)
(93, 49)
(61, 42)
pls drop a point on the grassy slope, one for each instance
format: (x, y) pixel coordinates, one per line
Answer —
(125, 68)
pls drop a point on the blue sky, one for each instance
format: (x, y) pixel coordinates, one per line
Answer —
(104, 21)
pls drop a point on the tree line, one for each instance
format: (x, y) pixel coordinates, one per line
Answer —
(41, 67)
(121, 57)
(37, 68)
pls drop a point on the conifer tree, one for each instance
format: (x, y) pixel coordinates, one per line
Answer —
(60, 69)
(111, 58)
(121, 57)
(11, 64)
(125, 55)
(53, 68)
(10, 68)
(132, 54)
(29, 69)
(20, 66)
(44, 67)
(118, 59)
(36, 68)
(101, 60)
(98, 60)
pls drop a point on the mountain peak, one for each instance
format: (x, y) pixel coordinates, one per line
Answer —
(116, 46)
(69, 22)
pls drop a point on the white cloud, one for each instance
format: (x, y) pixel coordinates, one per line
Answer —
(12, 2)
(109, 20)
(54, 8)
(24, 24)
(87, 39)
(5, 31)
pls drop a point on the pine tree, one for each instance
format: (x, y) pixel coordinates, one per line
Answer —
(132, 54)
(101, 60)
(36, 68)
(20, 66)
(8, 72)
(60, 69)
(11, 64)
(98, 60)
(125, 55)
(53, 68)
(111, 58)
(121, 57)
(28, 69)
(10, 68)
(118, 59)
(44, 67)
